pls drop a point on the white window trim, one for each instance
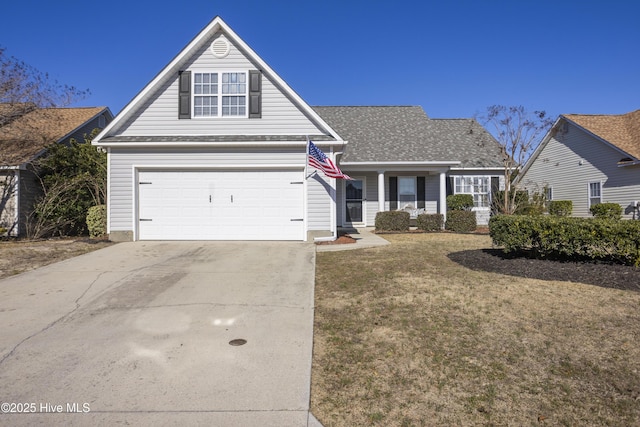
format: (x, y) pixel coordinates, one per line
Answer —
(589, 191)
(488, 193)
(415, 192)
(219, 72)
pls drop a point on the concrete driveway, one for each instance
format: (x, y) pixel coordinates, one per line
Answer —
(139, 333)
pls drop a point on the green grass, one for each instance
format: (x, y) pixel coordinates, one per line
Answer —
(406, 337)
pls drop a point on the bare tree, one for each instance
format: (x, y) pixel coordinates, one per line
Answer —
(517, 131)
(24, 88)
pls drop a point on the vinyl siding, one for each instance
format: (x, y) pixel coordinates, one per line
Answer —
(159, 114)
(123, 160)
(558, 165)
(86, 130)
(319, 201)
(432, 190)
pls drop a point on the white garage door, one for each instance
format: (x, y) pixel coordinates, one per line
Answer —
(220, 205)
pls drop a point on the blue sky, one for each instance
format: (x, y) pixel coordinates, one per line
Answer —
(454, 58)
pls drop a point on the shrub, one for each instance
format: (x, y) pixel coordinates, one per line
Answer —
(430, 222)
(611, 211)
(560, 207)
(97, 220)
(392, 221)
(568, 238)
(461, 221)
(459, 202)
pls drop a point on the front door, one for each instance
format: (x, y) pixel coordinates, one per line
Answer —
(354, 201)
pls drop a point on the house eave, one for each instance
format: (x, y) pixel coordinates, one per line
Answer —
(482, 168)
(192, 143)
(399, 166)
(627, 164)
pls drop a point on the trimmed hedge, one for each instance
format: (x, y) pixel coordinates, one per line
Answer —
(560, 207)
(611, 211)
(461, 221)
(568, 238)
(392, 221)
(97, 221)
(430, 222)
(459, 202)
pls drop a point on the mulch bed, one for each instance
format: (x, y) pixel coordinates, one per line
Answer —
(599, 274)
(345, 238)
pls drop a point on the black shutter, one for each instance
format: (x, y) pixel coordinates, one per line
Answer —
(495, 184)
(421, 191)
(393, 193)
(255, 94)
(450, 184)
(184, 95)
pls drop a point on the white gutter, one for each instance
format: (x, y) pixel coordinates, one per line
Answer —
(421, 163)
(295, 144)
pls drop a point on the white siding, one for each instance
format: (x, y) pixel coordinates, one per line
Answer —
(571, 160)
(432, 198)
(159, 115)
(432, 190)
(319, 202)
(122, 163)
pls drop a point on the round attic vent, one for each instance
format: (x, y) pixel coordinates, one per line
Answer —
(220, 47)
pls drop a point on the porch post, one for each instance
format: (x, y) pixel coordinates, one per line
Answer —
(381, 195)
(442, 206)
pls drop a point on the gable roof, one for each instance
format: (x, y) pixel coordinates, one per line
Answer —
(170, 70)
(622, 130)
(25, 137)
(406, 134)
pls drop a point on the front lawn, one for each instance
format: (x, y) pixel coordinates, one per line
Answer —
(405, 336)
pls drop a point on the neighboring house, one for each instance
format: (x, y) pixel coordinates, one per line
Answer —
(589, 159)
(214, 148)
(24, 137)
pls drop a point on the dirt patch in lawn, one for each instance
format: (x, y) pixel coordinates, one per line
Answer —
(419, 333)
(18, 256)
(599, 274)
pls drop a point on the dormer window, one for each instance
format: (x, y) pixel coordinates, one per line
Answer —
(220, 94)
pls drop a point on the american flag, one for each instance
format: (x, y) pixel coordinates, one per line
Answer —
(319, 160)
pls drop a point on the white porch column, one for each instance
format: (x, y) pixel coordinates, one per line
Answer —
(442, 206)
(381, 195)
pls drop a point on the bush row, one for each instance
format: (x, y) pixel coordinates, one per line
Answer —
(457, 221)
(568, 238)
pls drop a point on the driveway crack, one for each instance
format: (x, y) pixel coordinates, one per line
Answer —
(50, 325)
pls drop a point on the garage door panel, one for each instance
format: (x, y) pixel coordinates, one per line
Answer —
(220, 205)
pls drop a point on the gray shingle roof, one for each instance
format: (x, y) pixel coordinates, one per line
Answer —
(406, 134)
